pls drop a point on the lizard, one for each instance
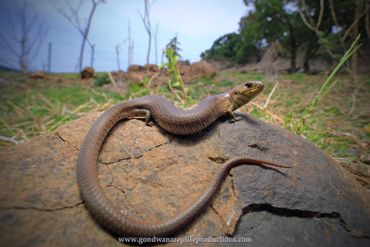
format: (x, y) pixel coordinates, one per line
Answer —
(175, 121)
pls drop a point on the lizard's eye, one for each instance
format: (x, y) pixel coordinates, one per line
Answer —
(249, 84)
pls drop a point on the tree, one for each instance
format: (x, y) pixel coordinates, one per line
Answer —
(148, 27)
(130, 48)
(118, 51)
(156, 43)
(335, 24)
(355, 21)
(22, 44)
(317, 18)
(48, 68)
(279, 20)
(224, 48)
(72, 15)
(312, 28)
(270, 21)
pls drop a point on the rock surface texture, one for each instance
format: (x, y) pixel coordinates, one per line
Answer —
(152, 175)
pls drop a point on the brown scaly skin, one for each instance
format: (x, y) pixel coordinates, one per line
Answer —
(174, 120)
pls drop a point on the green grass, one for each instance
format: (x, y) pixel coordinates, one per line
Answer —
(136, 90)
(33, 107)
(329, 125)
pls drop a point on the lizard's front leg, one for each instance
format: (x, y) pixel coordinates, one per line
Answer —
(234, 117)
(142, 114)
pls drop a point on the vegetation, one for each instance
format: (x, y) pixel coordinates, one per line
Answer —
(72, 13)
(21, 44)
(30, 107)
(101, 80)
(334, 115)
(172, 54)
(311, 27)
(304, 122)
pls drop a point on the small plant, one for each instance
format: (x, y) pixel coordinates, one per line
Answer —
(102, 80)
(329, 83)
(302, 124)
(172, 54)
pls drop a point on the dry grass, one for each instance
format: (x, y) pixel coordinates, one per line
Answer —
(339, 124)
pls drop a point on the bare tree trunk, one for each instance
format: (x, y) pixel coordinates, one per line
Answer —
(73, 17)
(130, 48)
(86, 34)
(311, 49)
(118, 51)
(117, 57)
(81, 56)
(130, 52)
(149, 48)
(21, 43)
(293, 52)
(146, 21)
(24, 44)
(156, 43)
(293, 63)
(23, 62)
(49, 57)
(92, 55)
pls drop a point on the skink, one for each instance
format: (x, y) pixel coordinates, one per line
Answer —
(173, 120)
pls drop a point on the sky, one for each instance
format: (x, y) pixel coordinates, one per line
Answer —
(197, 24)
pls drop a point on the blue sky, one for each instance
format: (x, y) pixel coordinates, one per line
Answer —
(197, 23)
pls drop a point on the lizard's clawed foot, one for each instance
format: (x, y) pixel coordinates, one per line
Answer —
(233, 117)
(149, 123)
(143, 114)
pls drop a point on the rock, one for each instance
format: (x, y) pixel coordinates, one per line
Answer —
(142, 77)
(183, 67)
(38, 75)
(137, 73)
(199, 70)
(151, 67)
(135, 77)
(269, 57)
(87, 73)
(152, 175)
(135, 68)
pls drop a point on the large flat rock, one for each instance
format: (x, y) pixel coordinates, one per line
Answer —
(152, 175)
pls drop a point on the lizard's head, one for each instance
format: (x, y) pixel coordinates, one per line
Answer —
(242, 94)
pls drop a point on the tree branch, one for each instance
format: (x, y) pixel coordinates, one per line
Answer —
(320, 14)
(353, 25)
(332, 11)
(6, 45)
(72, 15)
(310, 24)
(146, 20)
